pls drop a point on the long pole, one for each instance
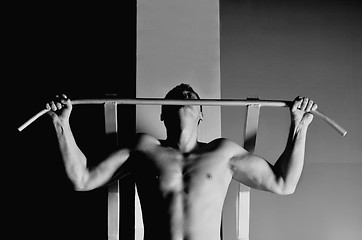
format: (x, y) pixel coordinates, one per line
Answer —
(204, 102)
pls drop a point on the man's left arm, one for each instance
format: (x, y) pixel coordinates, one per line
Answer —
(289, 166)
(283, 176)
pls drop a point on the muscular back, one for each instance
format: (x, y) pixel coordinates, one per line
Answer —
(181, 195)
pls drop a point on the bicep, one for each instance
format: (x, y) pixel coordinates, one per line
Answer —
(254, 171)
(105, 172)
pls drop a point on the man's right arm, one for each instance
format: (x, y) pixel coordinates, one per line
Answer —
(75, 161)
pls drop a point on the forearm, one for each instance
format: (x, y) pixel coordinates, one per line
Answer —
(289, 166)
(75, 162)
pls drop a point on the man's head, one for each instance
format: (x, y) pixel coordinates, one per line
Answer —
(182, 91)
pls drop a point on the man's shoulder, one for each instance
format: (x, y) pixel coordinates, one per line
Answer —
(224, 148)
(145, 140)
(225, 144)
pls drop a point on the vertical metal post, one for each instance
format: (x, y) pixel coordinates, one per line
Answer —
(111, 129)
(243, 198)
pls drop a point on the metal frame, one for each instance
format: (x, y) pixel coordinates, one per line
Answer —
(242, 206)
(111, 129)
(243, 197)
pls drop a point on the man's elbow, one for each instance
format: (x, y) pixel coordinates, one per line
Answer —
(80, 187)
(81, 184)
(284, 189)
(287, 191)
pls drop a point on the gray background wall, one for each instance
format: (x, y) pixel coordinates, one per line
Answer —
(281, 49)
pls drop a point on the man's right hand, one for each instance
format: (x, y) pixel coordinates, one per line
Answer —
(60, 108)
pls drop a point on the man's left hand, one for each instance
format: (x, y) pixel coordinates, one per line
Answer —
(300, 111)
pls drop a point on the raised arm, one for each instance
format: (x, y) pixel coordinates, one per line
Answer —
(75, 161)
(283, 176)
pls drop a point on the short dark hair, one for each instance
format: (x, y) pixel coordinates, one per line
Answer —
(177, 93)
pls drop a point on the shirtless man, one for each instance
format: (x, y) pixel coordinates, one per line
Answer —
(182, 183)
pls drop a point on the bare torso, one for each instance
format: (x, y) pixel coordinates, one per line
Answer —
(182, 195)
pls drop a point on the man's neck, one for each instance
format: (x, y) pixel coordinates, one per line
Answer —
(185, 141)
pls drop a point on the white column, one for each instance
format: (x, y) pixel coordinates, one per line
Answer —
(177, 42)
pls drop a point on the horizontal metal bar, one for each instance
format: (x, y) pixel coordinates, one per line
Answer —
(204, 102)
